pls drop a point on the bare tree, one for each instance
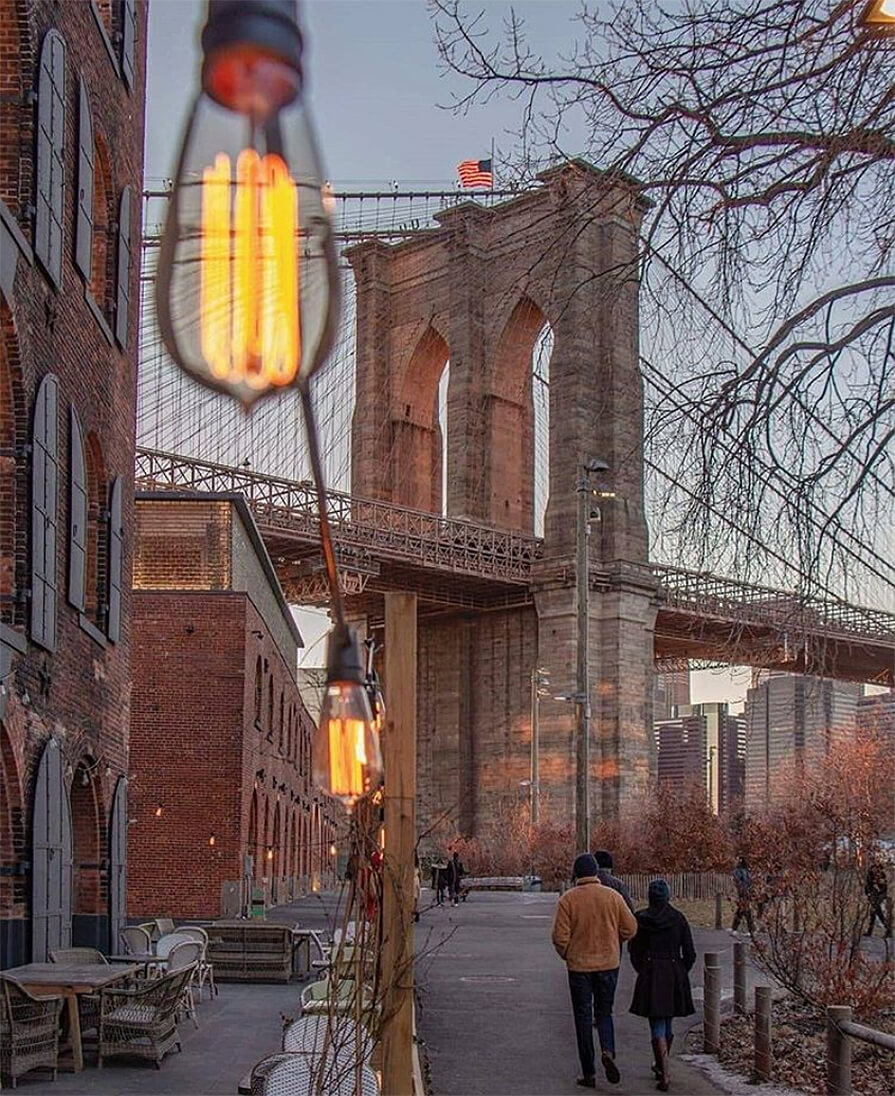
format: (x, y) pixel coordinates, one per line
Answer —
(764, 133)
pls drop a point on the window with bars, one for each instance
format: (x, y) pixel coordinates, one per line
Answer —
(44, 505)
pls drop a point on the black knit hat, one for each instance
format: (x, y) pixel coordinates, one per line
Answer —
(659, 892)
(585, 866)
(603, 859)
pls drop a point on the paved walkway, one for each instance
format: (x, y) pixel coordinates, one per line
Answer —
(494, 1004)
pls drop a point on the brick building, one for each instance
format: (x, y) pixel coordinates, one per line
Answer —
(71, 90)
(221, 795)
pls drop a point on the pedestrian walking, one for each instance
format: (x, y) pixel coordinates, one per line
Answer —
(455, 873)
(592, 921)
(742, 881)
(662, 954)
(604, 873)
(876, 887)
(439, 879)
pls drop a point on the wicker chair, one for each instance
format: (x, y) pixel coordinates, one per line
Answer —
(297, 1075)
(136, 940)
(318, 997)
(317, 1036)
(142, 1022)
(88, 1003)
(164, 926)
(29, 1031)
(182, 956)
(205, 971)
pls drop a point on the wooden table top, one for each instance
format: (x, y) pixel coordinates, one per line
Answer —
(77, 977)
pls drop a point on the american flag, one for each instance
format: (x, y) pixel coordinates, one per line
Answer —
(475, 173)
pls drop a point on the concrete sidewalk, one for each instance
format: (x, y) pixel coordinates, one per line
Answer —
(494, 1006)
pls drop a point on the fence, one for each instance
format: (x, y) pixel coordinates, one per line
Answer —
(690, 885)
(841, 1029)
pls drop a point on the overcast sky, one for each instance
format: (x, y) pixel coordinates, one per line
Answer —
(378, 97)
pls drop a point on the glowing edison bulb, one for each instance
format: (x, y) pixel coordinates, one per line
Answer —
(247, 284)
(346, 757)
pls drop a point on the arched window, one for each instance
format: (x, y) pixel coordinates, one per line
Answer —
(259, 691)
(101, 277)
(270, 708)
(540, 398)
(50, 182)
(282, 721)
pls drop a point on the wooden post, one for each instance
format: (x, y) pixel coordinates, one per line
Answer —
(764, 1058)
(739, 978)
(711, 1004)
(838, 1052)
(399, 763)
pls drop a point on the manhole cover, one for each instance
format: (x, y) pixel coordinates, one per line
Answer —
(487, 978)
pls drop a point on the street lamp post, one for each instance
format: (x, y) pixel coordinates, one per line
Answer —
(582, 690)
(539, 678)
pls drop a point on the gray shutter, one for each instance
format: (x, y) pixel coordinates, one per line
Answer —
(118, 865)
(77, 517)
(44, 493)
(50, 197)
(84, 222)
(129, 42)
(116, 546)
(123, 294)
(51, 858)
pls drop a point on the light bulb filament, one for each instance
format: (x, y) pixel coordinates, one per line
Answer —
(347, 757)
(249, 286)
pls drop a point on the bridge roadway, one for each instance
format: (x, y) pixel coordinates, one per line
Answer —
(452, 563)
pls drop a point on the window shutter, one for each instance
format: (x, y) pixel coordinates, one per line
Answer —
(123, 294)
(44, 489)
(77, 517)
(116, 545)
(50, 155)
(129, 42)
(84, 223)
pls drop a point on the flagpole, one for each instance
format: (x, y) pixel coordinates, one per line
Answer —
(493, 165)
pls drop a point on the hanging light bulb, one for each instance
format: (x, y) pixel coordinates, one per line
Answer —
(347, 759)
(247, 291)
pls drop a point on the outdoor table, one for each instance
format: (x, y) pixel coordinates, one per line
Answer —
(68, 980)
(145, 959)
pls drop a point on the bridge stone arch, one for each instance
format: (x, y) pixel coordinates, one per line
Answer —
(477, 290)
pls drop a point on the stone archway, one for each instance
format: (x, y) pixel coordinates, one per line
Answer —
(416, 435)
(90, 896)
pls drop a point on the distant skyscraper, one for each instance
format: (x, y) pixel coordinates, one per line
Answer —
(793, 721)
(876, 716)
(702, 744)
(672, 691)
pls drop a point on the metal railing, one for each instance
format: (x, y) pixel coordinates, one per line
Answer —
(372, 530)
(723, 598)
(379, 528)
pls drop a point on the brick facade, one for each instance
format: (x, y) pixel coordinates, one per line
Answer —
(78, 692)
(477, 292)
(220, 738)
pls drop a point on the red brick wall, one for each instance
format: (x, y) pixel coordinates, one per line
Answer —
(197, 751)
(82, 691)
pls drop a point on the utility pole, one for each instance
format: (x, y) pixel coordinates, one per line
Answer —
(582, 687)
(399, 766)
(534, 786)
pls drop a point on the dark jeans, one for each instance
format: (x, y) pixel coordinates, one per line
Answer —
(593, 994)
(660, 1027)
(743, 912)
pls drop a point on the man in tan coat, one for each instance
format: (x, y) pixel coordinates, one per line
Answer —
(592, 922)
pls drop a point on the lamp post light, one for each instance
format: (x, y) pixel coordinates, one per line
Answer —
(248, 291)
(582, 697)
(540, 678)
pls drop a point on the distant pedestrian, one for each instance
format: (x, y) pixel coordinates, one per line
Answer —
(439, 879)
(876, 887)
(742, 881)
(662, 953)
(604, 874)
(454, 873)
(592, 921)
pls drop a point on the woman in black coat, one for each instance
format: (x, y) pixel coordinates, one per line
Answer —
(662, 953)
